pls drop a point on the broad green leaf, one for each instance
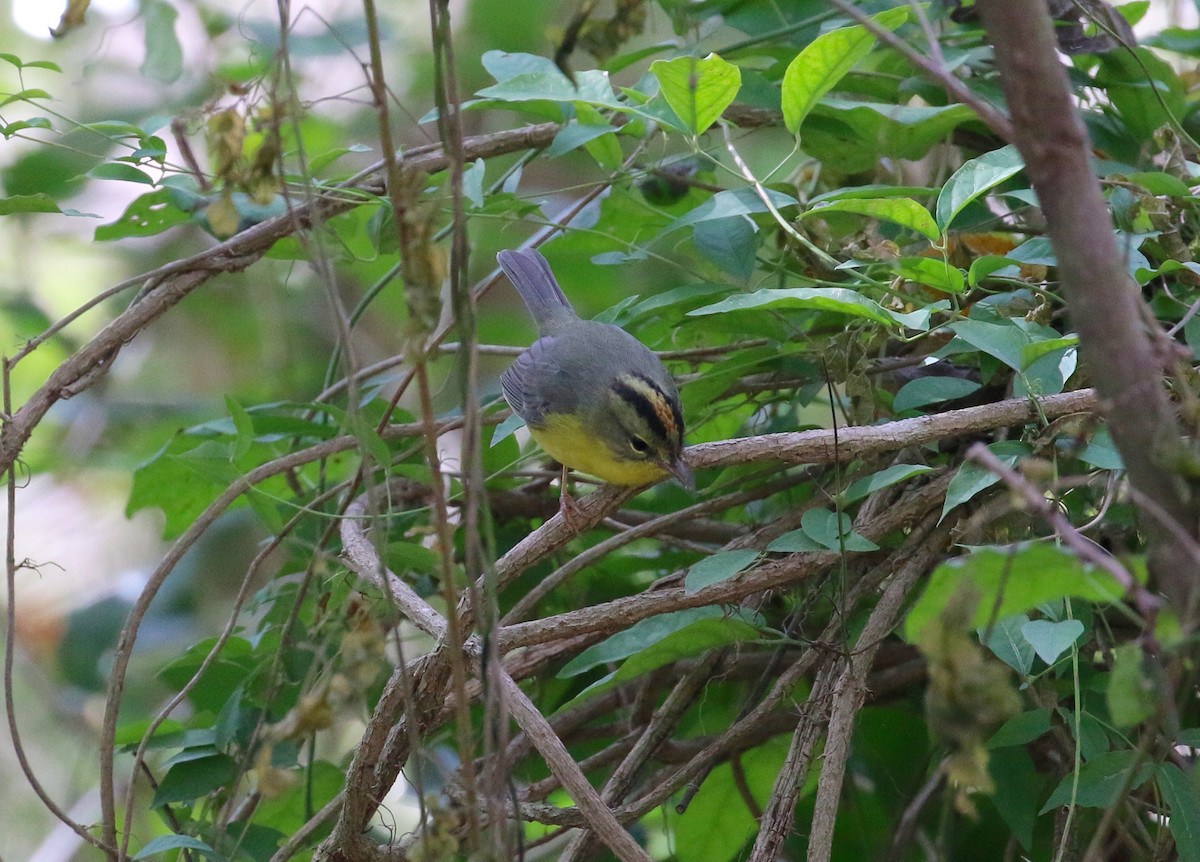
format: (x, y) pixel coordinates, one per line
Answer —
(873, 190)
(120, 171)
(591, 87)
(1102, 452)
(831, 532)
(1009, 644)
(1005, 341)
(1131, 690)
(973, 179)
(727, 204)
(1180, 792)
(14, 60)
(972, 479)
(931, 390)
(932, 272)
(1010, 581)
(721, 566)
(1101, 781)
(902, 211)
(192, 779)
(868, 485)
(824, 62)
(506, 428)
(851, 135)
(1051, 639)
(1022, 728)
(244, 426)
(472, 181)
(840, 300)
(698, 91)
(636, 638)
(25, 96)
(1017, 787)
(164, 55)
(1035, 251)
(719, 820)
(20, 125)
(164, 843)
(324, 160)
(730, 243)
(575, 135)
(694, 639)
(1035, 351)
(38, 203)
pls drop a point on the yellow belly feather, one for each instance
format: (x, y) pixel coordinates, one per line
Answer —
(566, 440)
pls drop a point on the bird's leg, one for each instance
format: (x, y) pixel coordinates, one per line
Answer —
(566, 504)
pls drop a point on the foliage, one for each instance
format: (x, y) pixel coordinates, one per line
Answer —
(854, 640)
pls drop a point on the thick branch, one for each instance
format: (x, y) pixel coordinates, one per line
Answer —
(1105, 305)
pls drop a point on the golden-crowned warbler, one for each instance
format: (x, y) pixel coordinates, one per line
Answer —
(594, 397)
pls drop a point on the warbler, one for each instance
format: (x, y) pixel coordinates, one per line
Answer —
(595, 398)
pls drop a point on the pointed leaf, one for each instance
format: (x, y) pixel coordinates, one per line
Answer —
(698, 91)
(824, 62)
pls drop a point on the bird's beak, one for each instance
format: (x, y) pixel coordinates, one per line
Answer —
(682, 473)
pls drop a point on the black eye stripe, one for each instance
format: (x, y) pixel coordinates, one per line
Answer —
(676, 413)
(638, 400)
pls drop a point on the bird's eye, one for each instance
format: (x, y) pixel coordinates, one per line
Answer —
(639, 445)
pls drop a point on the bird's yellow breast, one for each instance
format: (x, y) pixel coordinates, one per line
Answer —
(568, 441)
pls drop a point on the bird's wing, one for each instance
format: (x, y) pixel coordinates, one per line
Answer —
(526, 381)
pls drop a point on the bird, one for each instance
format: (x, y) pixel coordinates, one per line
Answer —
(594, 398)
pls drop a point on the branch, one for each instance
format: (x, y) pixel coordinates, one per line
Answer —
(1105, 305)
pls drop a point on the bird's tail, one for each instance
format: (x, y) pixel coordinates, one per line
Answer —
(534, 280)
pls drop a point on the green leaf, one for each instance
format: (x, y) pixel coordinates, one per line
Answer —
(728, 204)
(1131, 691)
(841, 300)
(1005, 341)
(1101, 781)
(148, 215)
(851, 135)
(1180, 792)
(575, 135)
(698, 91)
(824, 62)
(1022, 728)
(1017, 787)
(1101, 451)
(593, 88)
(193, 779)
(831, 532)
(244, 425)
(1010, 581)
(38, 203)
(730, 243)
(1009, 644)
(25, 96)
(932, 272)
(932, 390)
(1051, 639)
(163, 843)
(868, 485)
(119, 171)
(902, 211)
(972, 479)
(164, 55)
(636, 638)
(507, 428)
(975, 178)
(719, 567)
(719, 820)
(472, 180)
(693, 640)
